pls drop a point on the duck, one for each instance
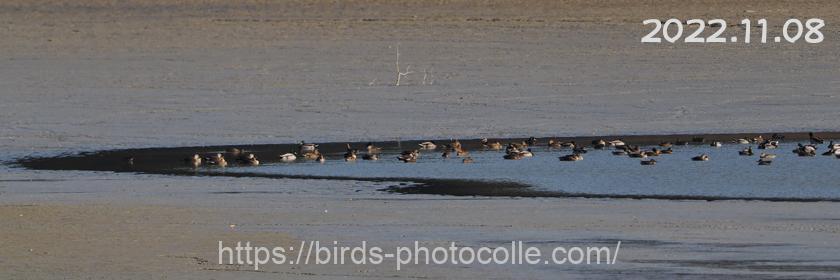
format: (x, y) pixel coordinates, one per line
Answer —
(637, 155)
(371, 149)
(570, 144)
(445, 154)
(287, 157)
(599, 144)
(653, 152)
(764, 161)
(409, 156)
(512, 148)
(742, 141)
(456, 144)
(461, 152)
(579, 149)
(370, 156)
(350, 155)
(517, 146)
(467, 160)
(572, 157)
(194, 161)
(617, 143)
(526, 153)
(428, 145)
(250, 159)
(214, 157)
(321, 158)
(313, 155)
(666, 144)
(758, 139)
(766, 156)
(667, 151)
(768, 144)
(832, 146)
(814, 139)
(703, 157)
(716, 144)
(218, 160)
(648, 162)
(487, 145)
(233, 151)
(532, 141)
(554, 144)
(805, 150)
(746, 152)
(304, 147)
(619, 152)
(512, 156)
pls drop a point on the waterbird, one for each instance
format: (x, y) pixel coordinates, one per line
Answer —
(742, 141)
(766, 156)
(805, 150)
(428, 145)
(637, 155)
(409, 156)
(599, 144)
(768, 144)
(487, 145)
(579, 150)
(648, 162)
(667, 151)
(304, 147)
(467, 160)
(312, 155)
(554, 144)
(572, 157)
(532, 141)
(372, 149)
(350, 155)
(764, 162)
(250, 159)
(233, 151)
(617, 143)
(321, 158)
(814, 139)
(702, 157)
(194, 161)
(716, 144)
(512, 156)
(218, 160)
(287, 157)
(370, 156)
(746, 152)
(653, 152)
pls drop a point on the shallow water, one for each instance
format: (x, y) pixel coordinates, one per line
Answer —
(727, 174)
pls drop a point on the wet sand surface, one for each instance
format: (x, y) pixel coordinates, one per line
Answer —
(108, 75)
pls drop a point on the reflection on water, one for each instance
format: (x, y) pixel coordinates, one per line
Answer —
(727, 174)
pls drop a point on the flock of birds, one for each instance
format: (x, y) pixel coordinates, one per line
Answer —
(520, 150)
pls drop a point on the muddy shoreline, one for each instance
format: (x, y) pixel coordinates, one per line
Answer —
(168, 161)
